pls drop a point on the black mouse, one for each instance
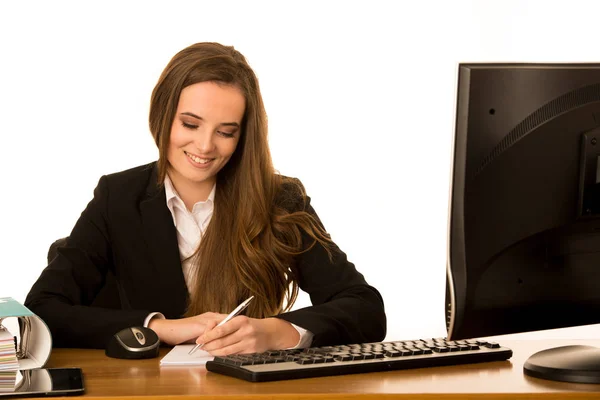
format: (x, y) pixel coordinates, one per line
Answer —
(133, 343)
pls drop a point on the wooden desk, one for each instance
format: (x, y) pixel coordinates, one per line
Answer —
(107, 377)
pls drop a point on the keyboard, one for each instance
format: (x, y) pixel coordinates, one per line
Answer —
(356, 358)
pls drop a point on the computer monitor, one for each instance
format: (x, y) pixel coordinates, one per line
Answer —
(524, 227)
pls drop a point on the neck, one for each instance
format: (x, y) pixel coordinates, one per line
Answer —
(189, 191)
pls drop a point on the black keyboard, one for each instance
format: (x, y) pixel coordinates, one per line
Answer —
(356, 358)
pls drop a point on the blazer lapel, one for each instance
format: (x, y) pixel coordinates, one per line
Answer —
(161, 238)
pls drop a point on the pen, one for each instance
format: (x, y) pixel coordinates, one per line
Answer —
(232, 314)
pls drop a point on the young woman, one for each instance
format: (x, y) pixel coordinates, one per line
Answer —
(182, 241)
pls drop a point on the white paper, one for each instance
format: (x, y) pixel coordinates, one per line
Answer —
(179, 356)
(39, 345)
(8, 354)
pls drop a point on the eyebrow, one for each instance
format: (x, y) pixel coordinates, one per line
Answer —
(202, 119)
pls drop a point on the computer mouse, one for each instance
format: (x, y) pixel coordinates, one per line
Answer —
(133, 343)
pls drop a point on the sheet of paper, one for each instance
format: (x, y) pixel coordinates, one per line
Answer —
(179, 356)
(8, 353)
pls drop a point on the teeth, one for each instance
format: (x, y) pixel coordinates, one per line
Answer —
(198, 159)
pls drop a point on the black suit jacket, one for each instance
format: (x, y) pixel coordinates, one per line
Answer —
(127, 231)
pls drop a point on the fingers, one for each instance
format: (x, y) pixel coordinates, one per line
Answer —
(236, 336)
(235, 348)
(210, 325)
(240, 335)
(186, 330)
(217, 332)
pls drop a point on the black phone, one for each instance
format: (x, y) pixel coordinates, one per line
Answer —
(41, 382)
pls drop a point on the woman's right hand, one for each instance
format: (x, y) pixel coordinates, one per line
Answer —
(184, 330)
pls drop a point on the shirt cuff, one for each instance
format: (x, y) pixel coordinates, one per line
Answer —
(306, 338)
(152, 315)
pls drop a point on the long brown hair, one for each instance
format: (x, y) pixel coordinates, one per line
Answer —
(252, 239)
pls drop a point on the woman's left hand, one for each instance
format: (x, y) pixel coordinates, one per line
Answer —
(249, 335)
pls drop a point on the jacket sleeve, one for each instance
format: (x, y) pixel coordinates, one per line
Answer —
(63, 294)
(345, 308)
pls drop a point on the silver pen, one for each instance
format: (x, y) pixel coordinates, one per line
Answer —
(232, 314)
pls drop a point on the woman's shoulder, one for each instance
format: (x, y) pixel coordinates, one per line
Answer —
(132, 180)
(133, 173)
(291, 195)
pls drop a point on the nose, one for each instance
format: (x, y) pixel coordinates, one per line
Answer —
(204, 141)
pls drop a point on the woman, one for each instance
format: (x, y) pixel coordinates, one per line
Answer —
(187, 238)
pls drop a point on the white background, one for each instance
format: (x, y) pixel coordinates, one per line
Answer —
(360, 97)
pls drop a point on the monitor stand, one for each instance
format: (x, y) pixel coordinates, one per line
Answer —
(578, 364)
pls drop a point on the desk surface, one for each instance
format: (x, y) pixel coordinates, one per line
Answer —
(107, 377)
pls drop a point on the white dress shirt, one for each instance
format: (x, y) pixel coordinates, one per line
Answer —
(190, 227)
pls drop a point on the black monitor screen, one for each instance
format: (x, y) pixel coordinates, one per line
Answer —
(524, 233)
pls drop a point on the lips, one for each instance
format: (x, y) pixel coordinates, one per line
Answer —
(197, 159)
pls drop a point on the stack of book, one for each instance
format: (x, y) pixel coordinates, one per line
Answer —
(8, 361)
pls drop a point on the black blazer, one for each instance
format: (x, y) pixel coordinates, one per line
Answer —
(127, 231)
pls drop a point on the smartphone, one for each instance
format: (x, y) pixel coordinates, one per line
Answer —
(41, 382)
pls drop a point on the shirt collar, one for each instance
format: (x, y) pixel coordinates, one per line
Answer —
(172, 196)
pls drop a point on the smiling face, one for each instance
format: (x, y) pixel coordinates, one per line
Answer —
(204, 134)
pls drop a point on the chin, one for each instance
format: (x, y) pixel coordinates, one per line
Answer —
(200, 178)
